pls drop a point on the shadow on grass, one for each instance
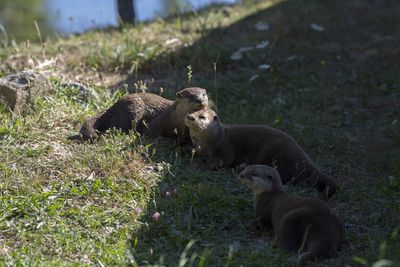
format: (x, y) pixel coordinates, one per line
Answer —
(332, 83)
(207, 207)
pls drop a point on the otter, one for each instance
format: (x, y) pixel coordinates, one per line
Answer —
(298, 223)
(171, 123)
(232, 145)
(140, 109)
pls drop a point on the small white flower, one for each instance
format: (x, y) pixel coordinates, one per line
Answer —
(317, 27)
(13, 166)
(264, 67)
(40, 224)
(263, 44)
(262, 26)
(52, 197)
(47, 189)
(90, 177)
(255, 76)
(46, 63)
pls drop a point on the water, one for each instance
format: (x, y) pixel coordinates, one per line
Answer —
(68, 17)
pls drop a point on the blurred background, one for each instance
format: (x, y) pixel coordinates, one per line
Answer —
(64, 17)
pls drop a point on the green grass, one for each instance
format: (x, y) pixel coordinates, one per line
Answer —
(336, 92)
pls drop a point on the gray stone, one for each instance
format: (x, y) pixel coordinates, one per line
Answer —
(82, 92)
(18, 91)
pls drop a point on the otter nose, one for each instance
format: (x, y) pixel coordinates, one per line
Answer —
(190, 117)
(198, 101)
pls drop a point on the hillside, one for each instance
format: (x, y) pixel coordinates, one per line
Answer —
(325, 72)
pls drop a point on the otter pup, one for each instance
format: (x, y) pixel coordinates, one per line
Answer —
(297, 223)
(231, 145)
(140, 109)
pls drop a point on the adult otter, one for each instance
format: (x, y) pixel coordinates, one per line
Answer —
(230, 145)
(297, 223)
(171, 123)
(141, 109)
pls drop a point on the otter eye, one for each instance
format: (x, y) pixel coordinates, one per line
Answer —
(202, 117)
(253, 176)
(269, 177)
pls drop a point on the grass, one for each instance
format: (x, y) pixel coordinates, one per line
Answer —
(336, 92)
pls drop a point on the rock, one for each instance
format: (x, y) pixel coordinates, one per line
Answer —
(18, 91)
(82, 92)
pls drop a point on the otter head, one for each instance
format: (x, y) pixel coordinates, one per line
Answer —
(205, 121)
(192, 98)
(261, 178)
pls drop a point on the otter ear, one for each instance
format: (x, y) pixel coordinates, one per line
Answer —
(215, 117)
(179, 94)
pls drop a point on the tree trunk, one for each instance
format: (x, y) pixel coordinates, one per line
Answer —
(126, 11)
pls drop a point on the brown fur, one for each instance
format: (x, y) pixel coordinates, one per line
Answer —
(294, 220)
(139, 110)
(231, 145)
(171, 123)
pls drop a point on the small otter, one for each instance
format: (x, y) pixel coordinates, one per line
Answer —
(231, 145)
(297, 223)
(141, 109)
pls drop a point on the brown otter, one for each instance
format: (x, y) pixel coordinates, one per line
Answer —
(171, 123)
(231, 145)
(299, 224)
(141, 109)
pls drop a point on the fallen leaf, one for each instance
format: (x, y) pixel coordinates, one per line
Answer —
(317, 27)
(262, 26)
(263, 44)
(255, 76)
(264, 67)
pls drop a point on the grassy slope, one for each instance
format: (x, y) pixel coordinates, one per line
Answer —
(335, 91)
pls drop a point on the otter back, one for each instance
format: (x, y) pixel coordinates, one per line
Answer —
(134, 109)
(266, 145)
(295, 220)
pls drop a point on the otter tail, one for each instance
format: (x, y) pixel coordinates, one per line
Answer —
(316, 250)
(88, 130)
(326, 185)
(299, 231)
